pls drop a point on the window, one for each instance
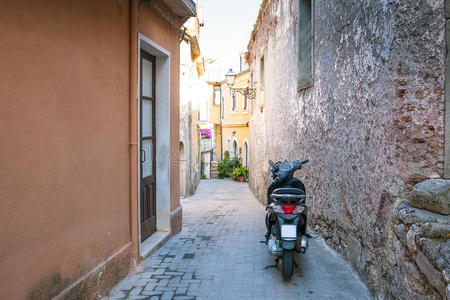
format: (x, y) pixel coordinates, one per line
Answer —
(217, 94)
(261, 73)
(203, 111)
(235, 149)
(234, 103)
(305, 44)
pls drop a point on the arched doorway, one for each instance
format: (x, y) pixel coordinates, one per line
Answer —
(182, 170)
(235, 149)
(245, 155)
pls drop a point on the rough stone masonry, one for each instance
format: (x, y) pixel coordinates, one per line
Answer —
(372, 125)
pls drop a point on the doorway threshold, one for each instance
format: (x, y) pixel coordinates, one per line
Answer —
(153, 243)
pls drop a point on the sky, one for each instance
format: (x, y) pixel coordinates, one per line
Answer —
(226, 32)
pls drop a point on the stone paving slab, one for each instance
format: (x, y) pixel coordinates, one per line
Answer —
(218, 255)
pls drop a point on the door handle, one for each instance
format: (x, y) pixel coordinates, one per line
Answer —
(143, 158)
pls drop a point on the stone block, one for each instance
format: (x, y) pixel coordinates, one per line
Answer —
(433, 276)
(436, 231)
(432, 195)
(411, 239)
(430, 248)
(410, 215)
(136, 291)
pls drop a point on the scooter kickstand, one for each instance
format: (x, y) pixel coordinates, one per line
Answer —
(275, 265)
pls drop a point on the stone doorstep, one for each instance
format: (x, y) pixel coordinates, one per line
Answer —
(153, 243)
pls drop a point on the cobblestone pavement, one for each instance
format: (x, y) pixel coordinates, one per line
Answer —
(218, 255)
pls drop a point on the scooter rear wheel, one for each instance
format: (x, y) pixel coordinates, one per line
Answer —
(287, 263)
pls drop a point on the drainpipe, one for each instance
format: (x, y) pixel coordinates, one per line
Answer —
(221, 140)
(134, 234)
(221, 131)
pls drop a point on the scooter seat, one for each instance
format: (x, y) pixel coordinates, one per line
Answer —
(287, 195)
(292, 191)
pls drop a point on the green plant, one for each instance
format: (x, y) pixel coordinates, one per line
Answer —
(234, 163)
(240, 172)
(203, 176)
(221, 175)
(226, 155)
(223, 168)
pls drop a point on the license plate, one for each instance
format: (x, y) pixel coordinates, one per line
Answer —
(289, 231)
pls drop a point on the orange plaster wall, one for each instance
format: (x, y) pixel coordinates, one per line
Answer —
(156, 28)
(64, 147)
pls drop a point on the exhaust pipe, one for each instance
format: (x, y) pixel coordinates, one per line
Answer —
(305, 244)
(274, 248)
(301, 245)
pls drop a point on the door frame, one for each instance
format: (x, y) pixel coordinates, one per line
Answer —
(162, 124)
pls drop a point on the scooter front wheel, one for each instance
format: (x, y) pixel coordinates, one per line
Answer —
(287, 263)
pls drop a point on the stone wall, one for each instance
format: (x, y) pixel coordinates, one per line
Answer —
(418, 250)
(372, 124)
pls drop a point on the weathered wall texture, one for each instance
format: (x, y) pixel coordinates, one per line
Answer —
(372, 124)
(447, 93)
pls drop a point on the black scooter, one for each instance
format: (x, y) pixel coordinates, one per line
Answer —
(286, 215)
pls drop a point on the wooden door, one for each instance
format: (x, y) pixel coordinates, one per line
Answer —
(147, 145)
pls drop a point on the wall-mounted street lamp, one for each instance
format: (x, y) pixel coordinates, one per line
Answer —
(230, 77)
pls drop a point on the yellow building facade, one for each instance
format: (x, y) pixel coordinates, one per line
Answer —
(228, 112)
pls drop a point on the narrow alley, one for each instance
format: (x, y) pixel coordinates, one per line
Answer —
(141, 139)
(218, 255)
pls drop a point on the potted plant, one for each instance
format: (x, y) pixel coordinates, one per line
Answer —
(240, 173)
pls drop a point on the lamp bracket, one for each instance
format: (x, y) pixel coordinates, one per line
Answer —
(246, 92)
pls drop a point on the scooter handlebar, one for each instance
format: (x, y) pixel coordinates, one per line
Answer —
(305, 161)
